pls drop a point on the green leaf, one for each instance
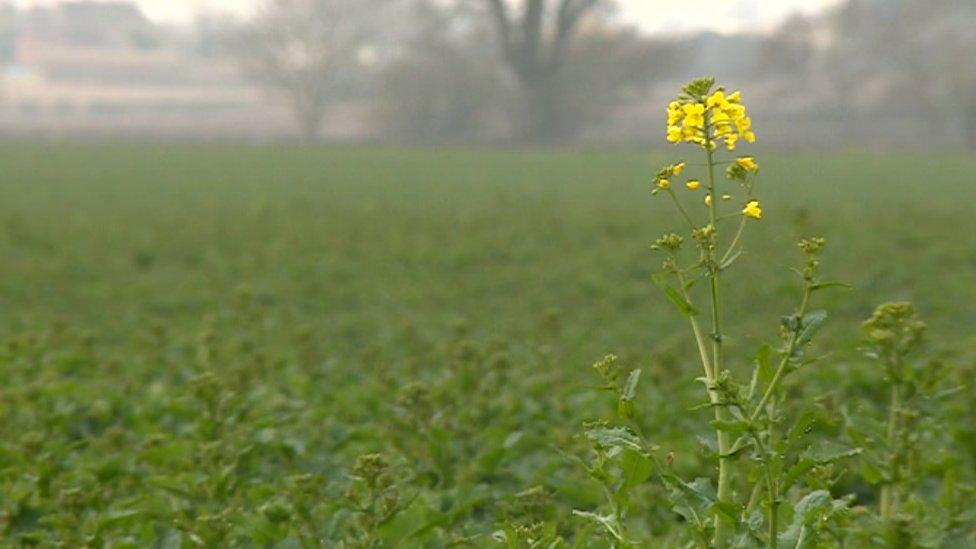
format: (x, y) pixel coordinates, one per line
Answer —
(755, 521)
(803, 425)
(625, 408)
(728, 262)
(829, 452)
(763, 370)
(609, 522)
(411, 523)
(870, 472)
(822, 453)
(636, 468)
(736, 427)
(118, 519)
(764, 364)
(738, 449)
(676, 297)
(700, 489)
(798, 469)
(630, 388)
(812, 512)
(616, 437)
(175, 486)
(827, 285)
(811, 323)
(862, 428)
(806, 512)
(729, 509)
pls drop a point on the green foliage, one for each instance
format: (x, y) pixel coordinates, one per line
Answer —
(199, 342)
(766, 475)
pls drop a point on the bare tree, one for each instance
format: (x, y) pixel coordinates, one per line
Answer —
(444, 86)
(949, 41)
(303, 49)
(921, 50)
(535, 38)
(612, 70)
(789, 50)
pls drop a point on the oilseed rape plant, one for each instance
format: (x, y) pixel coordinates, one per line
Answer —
(704, 116)
(776, 481)
(757, 464)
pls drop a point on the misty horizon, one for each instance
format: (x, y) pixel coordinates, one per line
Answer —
(653, 17)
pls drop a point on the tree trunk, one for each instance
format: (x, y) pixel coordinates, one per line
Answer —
(536, 60)
(969, 123)
(308, 107)
(540, 120)
(310, 127)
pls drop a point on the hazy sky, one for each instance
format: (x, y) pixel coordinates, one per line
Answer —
(674, 15)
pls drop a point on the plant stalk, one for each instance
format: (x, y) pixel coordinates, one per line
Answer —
(887, 490)
(700, 341)
(772, 493)
(722, 530)
(784, 361)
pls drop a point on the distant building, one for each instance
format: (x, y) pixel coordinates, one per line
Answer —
(103, 67)
(106, 25)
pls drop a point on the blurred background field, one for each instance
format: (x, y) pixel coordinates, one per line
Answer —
(245, 244)
(360, 241)
(189, 329)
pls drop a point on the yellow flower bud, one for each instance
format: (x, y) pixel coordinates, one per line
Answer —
(693, 184)
(708, 200)
(674, 134)
(717, 100)
(753, 210)
(743, 124)
(663, 183)
(694, 115)
(747, 163)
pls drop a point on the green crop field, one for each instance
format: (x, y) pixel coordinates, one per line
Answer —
(233, 345)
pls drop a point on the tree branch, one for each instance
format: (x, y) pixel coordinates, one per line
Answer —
(568, 16)
(503, 24)
(532, 32)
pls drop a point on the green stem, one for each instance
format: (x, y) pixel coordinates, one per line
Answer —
(684, 213)
(773, 486)
(700, 341)
(781, 369)
(754, 498)
(735, 241)
(887, 491)
(615, 509)
(722, 530)
(771, 492)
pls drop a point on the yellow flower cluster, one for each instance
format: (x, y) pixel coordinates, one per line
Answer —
(665, 175)
(747, 163)
(753, 210)
(716, 117)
